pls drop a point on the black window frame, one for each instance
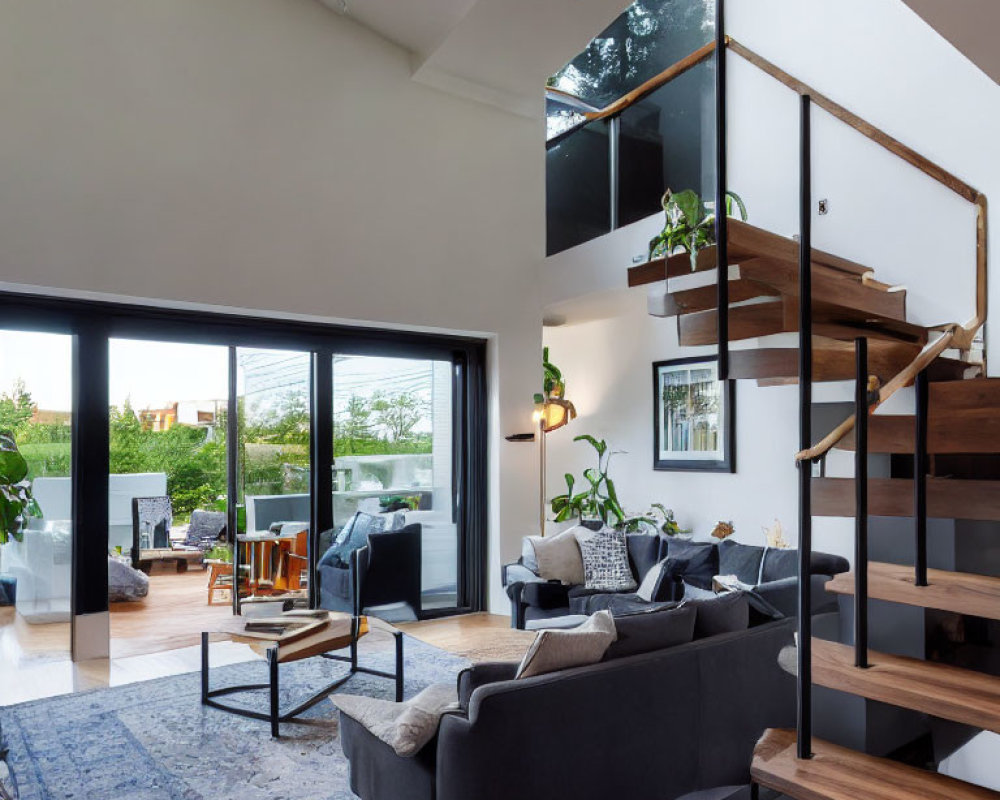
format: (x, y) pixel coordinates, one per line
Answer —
(92, 323)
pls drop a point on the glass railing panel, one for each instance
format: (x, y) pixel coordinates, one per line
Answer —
(578, 187)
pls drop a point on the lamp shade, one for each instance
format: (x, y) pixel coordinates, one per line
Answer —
(553, 414)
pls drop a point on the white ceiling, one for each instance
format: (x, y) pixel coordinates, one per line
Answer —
(970, 25)
(496, 51)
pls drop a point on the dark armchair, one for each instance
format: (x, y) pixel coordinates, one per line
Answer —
(385, 570)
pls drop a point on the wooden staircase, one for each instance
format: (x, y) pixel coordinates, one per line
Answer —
(963, 421)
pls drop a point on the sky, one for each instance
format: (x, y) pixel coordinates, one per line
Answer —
(155, 374)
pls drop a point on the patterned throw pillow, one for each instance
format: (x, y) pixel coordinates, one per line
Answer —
(605, 561)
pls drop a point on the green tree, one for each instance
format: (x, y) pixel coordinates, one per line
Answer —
(354, 428)
(16, 409)
(398, 414)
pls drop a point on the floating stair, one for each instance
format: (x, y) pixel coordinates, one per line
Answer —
(947, 498)
(958, 592)
(972, 698)
(836, 773)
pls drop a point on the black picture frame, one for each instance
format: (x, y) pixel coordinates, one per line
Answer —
(726, 459)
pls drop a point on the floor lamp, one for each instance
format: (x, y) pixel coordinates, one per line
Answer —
(550, 414)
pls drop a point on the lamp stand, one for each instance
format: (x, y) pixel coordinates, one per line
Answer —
(541, 476)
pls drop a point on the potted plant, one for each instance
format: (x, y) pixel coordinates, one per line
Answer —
(658, 517)
(690, 224)
(16, 501)
(599, 501)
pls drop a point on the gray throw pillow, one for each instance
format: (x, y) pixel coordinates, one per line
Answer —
(605, 561)
(652, 630)
(405, 727)
(723, 613)
(555, 649)
(558, 557)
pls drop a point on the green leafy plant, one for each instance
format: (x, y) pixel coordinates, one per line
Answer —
(690, 223)
(659, 517)
(220, 552)
(16, 501)
(599, 500)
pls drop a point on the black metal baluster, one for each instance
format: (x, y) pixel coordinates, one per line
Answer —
(804, 723)
(920, 469)
(721, 231)
(861, 502)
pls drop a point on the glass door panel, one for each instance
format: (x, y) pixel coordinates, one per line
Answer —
(35, 559)
(273, 391)
(394, 451)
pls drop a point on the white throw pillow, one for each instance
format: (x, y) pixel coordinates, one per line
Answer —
(554, 650)
(558, 557)
(405, 727)
(605, 561)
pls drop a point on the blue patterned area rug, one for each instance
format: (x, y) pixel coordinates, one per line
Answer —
(155, 741)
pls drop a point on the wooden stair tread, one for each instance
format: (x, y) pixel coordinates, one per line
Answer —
(958, 592)
(836, 773)
(966, 431)
(940, 690)
(947, 498)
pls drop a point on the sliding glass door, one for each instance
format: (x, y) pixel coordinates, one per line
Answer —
(394, 453)
(36, 458)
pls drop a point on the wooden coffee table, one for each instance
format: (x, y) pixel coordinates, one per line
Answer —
(303, 637)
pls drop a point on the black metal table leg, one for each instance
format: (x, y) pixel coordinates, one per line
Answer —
(398, 636)
(754, 791)
(272, 662)
(204, 667)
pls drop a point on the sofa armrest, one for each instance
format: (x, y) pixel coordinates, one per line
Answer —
(481, 675)
(517, 572)
(784, 595)
(550, 594)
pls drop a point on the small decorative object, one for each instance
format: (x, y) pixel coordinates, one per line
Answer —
(723, 530)
(599, 500)
(552, 411)
(775, 536)
(690, 224)
(16, 500)
(694, 416)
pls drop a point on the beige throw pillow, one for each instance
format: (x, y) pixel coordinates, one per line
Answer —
(554, 650)
(558, 557)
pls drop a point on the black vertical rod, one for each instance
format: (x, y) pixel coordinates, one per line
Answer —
(90, 456)
(920, 469)
(804, 726)
(321, 457)
(721, 231)
(614, 161)
(861, 502)
(232, 474)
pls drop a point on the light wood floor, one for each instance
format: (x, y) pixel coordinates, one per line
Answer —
(159, 636)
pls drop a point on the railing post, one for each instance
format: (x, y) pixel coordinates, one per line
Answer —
(861, 502)
(804, 723)
(920, 469)
(721, 231)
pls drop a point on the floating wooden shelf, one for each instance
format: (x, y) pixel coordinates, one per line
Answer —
(940, 690)
(836, 773)
(947, 498)
(958, 592)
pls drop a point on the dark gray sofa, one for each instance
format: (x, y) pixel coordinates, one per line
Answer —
(772, 573)
(653, 726)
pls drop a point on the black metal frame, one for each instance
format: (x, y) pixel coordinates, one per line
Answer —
(92, 323)
(861, 502)
(804, 716)
(920, 470)
(275, 716)
(727, 423)
(721, 176)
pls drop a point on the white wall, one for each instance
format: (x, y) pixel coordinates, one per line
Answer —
(883, 62)
(271, 155)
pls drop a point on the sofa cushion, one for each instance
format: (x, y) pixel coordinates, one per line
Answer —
(605, 561)
(618, 603)
(652, 630)
(697, 562)
(405, 727)
(741, 560)
(558, 557)
(778, 565)
(643, 552)
(554, 650)
(723, 613)
(658, 584)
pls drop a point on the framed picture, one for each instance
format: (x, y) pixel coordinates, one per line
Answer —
(694, 416)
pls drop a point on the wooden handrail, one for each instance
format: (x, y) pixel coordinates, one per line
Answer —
(955, 335)
(631, 98)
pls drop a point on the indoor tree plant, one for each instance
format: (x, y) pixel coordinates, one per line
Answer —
(16, 501)
(690, 223)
